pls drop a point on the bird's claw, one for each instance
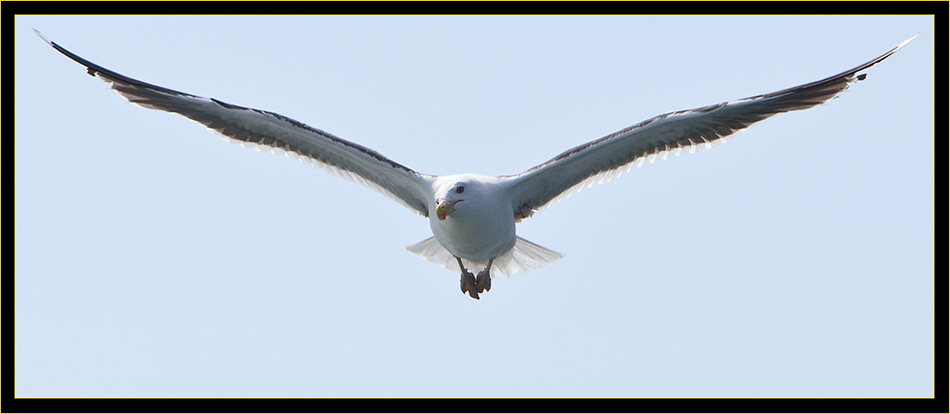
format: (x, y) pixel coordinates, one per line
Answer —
(472, 285)
(469, 284)
(483, 282)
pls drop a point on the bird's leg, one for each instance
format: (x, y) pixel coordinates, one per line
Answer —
(483, 282)
(468, 280)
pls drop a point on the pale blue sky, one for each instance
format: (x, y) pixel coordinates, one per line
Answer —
(155, 259)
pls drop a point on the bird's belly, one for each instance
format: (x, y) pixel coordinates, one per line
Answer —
(475, 240)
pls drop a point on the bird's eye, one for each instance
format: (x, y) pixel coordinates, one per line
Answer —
(460, 189)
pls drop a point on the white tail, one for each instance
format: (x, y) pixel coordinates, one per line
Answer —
(523, 256)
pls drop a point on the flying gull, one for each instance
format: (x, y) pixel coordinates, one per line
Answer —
(473, 216)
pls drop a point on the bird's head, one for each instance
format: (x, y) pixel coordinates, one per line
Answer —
(448, 199)
(472, 196)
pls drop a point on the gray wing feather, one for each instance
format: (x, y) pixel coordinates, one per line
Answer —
(256, 128)
(607, 157)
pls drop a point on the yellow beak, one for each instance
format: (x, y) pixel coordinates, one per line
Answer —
(445, 207)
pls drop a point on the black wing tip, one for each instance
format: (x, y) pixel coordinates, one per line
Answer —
(45, 39)
(51, 43)
(107, 75)
(863, 76)
(91, 67)
(907, 41)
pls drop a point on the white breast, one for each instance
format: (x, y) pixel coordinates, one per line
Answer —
(480, 227)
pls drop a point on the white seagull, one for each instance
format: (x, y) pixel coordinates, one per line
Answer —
(473, 216)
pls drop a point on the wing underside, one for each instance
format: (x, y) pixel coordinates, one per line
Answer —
(668, 134)
(261, 129)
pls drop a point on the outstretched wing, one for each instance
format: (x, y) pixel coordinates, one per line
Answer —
(255, 127)
(600, 160)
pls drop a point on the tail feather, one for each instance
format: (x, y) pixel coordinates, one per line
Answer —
(524, 256)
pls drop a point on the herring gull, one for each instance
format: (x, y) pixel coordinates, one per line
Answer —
(472, 216)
